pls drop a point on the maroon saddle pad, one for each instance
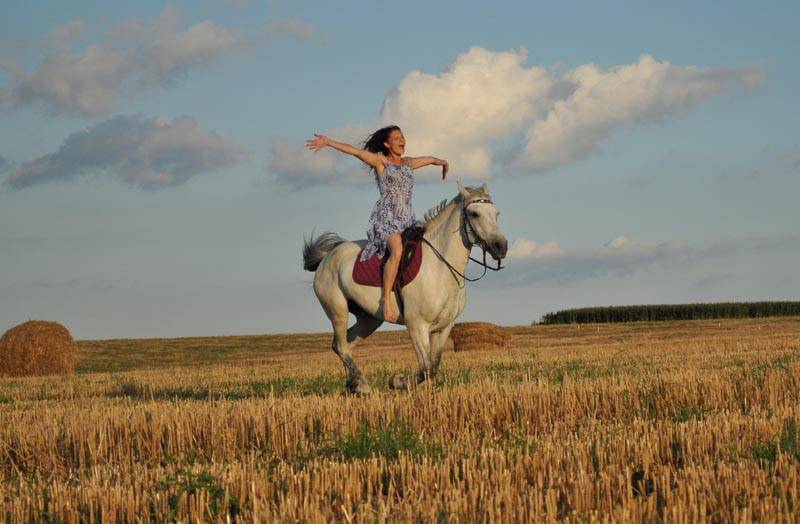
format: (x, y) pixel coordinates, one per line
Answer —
(370, 271)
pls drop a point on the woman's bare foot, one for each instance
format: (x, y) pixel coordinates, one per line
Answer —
(389, 314)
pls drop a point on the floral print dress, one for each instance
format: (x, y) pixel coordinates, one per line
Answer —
(392, 212)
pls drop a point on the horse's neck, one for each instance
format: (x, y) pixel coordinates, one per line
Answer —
(448, 240)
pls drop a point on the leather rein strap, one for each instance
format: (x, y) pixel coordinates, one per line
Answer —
(481, 243)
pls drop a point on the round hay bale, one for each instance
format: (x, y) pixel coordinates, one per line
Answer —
(37, 347)
(470, 336)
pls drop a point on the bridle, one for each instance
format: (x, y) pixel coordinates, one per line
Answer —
(466, 221)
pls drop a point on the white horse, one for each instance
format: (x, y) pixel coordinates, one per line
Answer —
(431, 301)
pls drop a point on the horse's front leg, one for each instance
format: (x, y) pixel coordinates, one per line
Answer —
(420, 341)
(438, 341)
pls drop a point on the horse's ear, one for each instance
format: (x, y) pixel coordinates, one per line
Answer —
(462, 191)
(484, 189)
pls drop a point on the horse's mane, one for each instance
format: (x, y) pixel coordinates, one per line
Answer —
(434, 216)
(436, 211)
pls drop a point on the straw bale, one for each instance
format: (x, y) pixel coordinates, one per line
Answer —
(468, 336)
(37, 347)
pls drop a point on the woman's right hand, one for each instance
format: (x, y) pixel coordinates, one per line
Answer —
(318, 142)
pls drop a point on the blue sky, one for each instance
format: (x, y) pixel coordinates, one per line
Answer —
(153, 180)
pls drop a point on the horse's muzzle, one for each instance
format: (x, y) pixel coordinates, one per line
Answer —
(498, 248)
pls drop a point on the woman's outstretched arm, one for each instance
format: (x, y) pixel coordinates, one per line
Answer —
(422, 161)
(368, 157)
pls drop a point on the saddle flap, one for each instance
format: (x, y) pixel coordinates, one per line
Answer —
(370, 272)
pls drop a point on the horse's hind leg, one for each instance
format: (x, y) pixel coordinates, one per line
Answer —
(365, 326)
(345, 339)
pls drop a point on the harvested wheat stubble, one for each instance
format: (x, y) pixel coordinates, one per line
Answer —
(37, 347)
(468, 336)
(668, 422)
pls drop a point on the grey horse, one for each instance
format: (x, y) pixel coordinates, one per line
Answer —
(431, 302)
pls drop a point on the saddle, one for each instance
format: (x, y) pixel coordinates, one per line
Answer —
(370, 271)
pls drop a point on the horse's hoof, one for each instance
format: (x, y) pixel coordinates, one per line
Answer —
(398, 382)
(363, 389)
(360, 389)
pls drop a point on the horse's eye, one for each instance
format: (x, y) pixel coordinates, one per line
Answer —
(473, 214)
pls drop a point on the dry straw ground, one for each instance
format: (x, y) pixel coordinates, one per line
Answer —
(676, 422)
(36, 347)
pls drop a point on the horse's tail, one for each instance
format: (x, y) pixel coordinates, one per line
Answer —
(315, 249)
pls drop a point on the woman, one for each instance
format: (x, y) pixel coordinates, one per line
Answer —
(383, 151)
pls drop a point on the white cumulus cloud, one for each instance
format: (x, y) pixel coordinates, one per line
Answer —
(480, 98)
(149, 153)
(86, 84)
(130, 57)
(168, 53)
(488, 112)
(296, 167)
(645, 91)
(525, 248)
(291, 26)
(64, 34)
(532, 262)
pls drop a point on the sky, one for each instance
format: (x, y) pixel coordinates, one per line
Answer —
(154, 181)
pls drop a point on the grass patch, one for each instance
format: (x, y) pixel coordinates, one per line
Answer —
(389, 442)
(319, 385)
(192, 484)
(574, 370)
(280, 387)
(787, 443)
(516, 372)
(759, 369)
(764, 452)
(455, 377)
(685, 413)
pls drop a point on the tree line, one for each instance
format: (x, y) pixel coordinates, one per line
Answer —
(657, 312)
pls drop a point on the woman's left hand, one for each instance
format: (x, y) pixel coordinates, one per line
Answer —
(445, 166)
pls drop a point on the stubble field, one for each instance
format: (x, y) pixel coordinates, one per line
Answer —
(675, 421)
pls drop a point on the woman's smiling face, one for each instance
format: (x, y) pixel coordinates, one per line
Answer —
(396, 143)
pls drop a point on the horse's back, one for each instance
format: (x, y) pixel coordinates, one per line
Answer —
(335, 277)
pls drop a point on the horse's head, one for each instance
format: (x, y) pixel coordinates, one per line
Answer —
(480, 220)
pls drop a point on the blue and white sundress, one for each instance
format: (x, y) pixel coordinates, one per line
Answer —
(392, 212)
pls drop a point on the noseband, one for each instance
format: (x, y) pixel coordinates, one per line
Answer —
(480, 242)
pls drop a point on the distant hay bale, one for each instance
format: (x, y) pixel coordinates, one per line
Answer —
(37, 347)
(471, 336)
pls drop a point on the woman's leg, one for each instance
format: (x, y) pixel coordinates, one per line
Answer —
(395, 247)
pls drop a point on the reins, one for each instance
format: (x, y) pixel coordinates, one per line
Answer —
(481, 243)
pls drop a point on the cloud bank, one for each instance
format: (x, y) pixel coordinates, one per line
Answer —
(149, 153)
(529, 262)
(645, 91)
(130, 57)
(295, 167)
(487, 111)
(524, 248)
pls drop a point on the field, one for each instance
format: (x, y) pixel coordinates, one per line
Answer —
(670, 421)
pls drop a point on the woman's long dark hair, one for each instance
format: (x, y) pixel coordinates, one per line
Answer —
(374, 142)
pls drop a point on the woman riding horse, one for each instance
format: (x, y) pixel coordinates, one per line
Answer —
(392, 213)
